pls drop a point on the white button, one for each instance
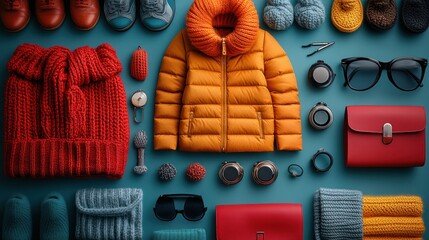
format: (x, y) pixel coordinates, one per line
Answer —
(139, 99)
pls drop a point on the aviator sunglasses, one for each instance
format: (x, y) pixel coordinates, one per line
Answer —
(193, 209)
(404, 73)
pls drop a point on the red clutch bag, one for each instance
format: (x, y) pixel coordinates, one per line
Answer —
(385, 136)
(259, 221)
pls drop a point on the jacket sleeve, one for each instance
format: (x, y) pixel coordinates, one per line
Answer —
(168, 99)
(282, 85)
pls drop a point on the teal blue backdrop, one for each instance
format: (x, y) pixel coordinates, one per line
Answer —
(364, 42)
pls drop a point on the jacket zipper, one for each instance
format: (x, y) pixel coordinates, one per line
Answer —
(261, 126)
(224, 96)
(190, 123)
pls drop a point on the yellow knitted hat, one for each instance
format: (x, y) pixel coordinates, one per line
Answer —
(347, 15)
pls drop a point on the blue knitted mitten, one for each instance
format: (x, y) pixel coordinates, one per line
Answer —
(17, 218)
(337, 214)
(54, 221)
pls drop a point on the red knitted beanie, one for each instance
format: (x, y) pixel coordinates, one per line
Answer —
(65, 113)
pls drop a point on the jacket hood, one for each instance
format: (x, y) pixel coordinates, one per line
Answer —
(208, 21)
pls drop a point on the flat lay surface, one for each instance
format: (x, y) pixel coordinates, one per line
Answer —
(364, 42)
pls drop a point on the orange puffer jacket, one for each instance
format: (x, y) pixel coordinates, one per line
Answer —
(225, 85)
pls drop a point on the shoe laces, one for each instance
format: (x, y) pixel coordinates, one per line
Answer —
(118, 5)
(11, 4)
(156, 6)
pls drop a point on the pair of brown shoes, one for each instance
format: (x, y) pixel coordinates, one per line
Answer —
(15, 14)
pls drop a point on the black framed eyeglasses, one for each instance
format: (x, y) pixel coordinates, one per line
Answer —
(404, 73)
(193, 208)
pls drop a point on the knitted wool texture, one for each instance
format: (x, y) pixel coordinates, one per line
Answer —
(180, 234)
(381, 14)
(65, 113)
(309, 14)
(138, 65)
(393, 206)
(337, 214)
(391, 238)
(347, 15)
(17, 218)
(203, 17)
(54, 221)
(393, 216)
(278, 14)
(109, 214)
(415, 15)
(393, 226)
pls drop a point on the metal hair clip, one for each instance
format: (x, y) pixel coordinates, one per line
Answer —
(322, 44)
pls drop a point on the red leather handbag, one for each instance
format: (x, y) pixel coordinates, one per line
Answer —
(385, 136)
(279, 221)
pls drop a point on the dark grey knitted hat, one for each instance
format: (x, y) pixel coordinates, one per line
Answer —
(337, 214)
(415, 15)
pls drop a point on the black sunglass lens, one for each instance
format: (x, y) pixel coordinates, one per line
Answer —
(407, 74)
(165, 209)
(362, 74)
(194, 208)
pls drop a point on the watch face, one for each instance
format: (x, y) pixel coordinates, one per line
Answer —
(321, 75)
(321, 117)
(265, 174)
(139, 99)
(231, 173)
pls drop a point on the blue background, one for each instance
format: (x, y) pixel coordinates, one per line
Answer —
(366, 42)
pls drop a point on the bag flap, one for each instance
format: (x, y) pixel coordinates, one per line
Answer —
(370, 119)
(270, 221)
(108, 202)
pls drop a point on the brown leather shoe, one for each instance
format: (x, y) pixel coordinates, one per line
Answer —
(50, 13)
(14, 14)
(85, 13)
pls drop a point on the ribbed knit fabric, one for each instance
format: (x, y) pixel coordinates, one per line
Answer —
(65, 113)
(109, 214)
(393, 226)
(337, 214)
(391, 238)
(309, 14)
(180, 234)
(17, 218)
(393, 216)
(206, 15)
(54, 221)
(347, 15)
(393, 206)
(278, 14)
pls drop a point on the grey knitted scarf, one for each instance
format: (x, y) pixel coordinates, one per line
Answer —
(109, 214)
(337, 214)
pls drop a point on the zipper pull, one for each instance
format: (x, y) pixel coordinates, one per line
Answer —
(223, 47)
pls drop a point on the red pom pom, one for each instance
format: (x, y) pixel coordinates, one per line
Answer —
(196, 172)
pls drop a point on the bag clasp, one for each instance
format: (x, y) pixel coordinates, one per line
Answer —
(260, 235)
(387, 133)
